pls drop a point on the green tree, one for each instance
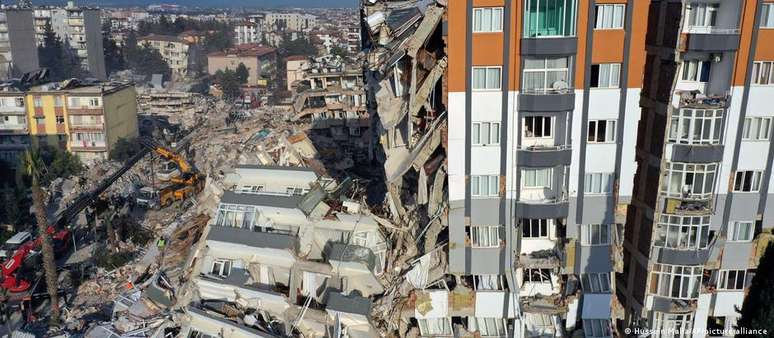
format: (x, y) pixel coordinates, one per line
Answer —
(217, 40)
(338, 50)
(758, 307)
(58, 57)
(229, 84)
(125, 149)
(114, 56)
(145, 60)
(242, 73)
(35, 168)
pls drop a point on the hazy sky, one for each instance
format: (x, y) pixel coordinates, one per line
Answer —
(212, 3)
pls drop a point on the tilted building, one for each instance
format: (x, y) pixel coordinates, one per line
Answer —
(701, 214)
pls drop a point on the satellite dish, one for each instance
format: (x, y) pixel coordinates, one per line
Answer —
(559, 85)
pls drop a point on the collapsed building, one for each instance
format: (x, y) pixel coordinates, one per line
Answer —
(284, 254)
(331, 99)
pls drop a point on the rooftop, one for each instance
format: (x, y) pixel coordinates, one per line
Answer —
(158, 37)
(244, 50)
(277, 201)
(273, 167)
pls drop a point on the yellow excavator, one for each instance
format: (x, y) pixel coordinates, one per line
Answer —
(180, 187)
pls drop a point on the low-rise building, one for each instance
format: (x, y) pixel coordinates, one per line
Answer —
(174, 50)
(260, 62)
(295, 65)
(14, 126)
(295, 22)
(247, 32)
(86, 120)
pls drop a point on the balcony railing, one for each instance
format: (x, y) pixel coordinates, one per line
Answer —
(710, 30)
(548, 91)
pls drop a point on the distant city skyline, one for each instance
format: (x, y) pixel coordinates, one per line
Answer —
(211, 3)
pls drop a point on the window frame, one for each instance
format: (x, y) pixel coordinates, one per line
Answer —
(593, 328)
(491, 29)
(757, 75)
(544, 276)
(600, 237)
(756, 122)
(478, 183)
(741, 176)
(498, 324)
(686, 278)
(540, 226)
(594, 124)
(533, 119)
(678, 325)
(547, 173)
(692, 71)
(486, 78)
(767, 10)
(476, 138)
(688, 121)
(682, 172)
(735, 231)
(729, 280)
(596, 282)
(599, 16)
(225, 267)
(424, 328)
(545, 70)
(683, 232)
(531, 29)
(611, 77)
(485, 236)
(605, 188)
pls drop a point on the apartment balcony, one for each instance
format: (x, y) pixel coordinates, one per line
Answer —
(709, 39)
(697, 100)
(13, 128)
(563, 45)
(274, 246)
(87, 127)
(85, 110)
(543, 154)
(88, 145)
(558, 98)
(13, 110)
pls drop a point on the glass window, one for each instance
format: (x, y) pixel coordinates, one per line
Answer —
(221, 267)
(549, 18)
(595, 234)
(597, 328)
(701, 15)
(667, 325)
(537, 178)
(488, 19)
(682, 232)
(690, 181)
(485, 236)
(595, 282)
(756, 128)
(545, 76)
(731, 279)
(486, 78)
(605, 75)
(747, 181)
(538, 127)
(696, 126)
(740, 232)
(536, 227)
(601, 131)
(487, 327)
(489, 282)
(767, 15)
(435, 326)
(676, 281)
(485, 133)
(484, 185)
(598, 183)
(762, 72)
(610, 16)
(37, 101)
(696, 70)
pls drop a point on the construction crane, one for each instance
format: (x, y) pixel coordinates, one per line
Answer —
(190, 182)
(11, 279)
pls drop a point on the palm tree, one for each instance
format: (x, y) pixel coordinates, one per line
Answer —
(33, 166)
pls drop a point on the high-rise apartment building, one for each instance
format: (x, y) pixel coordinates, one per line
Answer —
(18, 51)
(78, 27)
(700, 212)
(543, 104)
